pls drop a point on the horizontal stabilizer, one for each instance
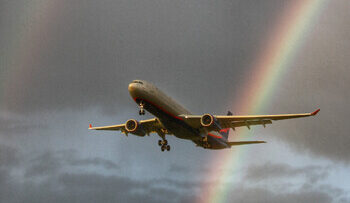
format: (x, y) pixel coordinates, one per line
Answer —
(245, 142)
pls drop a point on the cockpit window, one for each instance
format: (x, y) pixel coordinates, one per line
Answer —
(137, 81)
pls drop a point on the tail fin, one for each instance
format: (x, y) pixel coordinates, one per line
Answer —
(226, 131)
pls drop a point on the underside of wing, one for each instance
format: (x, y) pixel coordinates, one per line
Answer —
(267, 117)
(245, 142)
(233, 121)
(140, 128)
(235, 124)
(109, 127)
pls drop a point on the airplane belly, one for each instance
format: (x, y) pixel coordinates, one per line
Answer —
(179, 129)
(173, 124)
(214, 143)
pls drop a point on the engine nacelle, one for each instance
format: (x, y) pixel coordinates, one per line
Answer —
(209, 121)
(134, 127)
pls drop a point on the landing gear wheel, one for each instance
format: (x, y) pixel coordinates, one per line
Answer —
(160, 142)
(168, 147)
(163, 148)
(165, 142)
(141, 112)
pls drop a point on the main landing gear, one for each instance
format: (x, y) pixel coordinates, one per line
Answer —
(142, 110)
(205, 143)
(164, 145)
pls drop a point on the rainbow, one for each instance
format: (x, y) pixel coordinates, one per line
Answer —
(24, 44)
(280, 49)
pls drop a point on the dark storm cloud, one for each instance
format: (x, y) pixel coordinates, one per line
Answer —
(50, 163)
(97, 161)
(57, 184)
(15, 126)
(193, 50)
(87, 188)
(9, 160)
(175, 168)
(250, 195)
(93, 50)
(198, 53)
(268, 170)
(280, 182)
(98, 188)
(193, 170)
(8, 156)
(319, 78)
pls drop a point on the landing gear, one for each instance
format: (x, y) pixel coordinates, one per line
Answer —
(205, 143)
(142, 110)
(164, 145)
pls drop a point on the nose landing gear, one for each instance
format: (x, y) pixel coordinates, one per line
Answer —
(142, 110)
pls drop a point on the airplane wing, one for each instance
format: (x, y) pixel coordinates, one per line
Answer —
(232, 121)
(149, 126)
(245, 142)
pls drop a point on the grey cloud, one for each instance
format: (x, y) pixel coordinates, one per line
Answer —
(268, 170)
(83, 54)
(97, 188)
(63, 185)
(319, 78)
(192, 50)
(248, 195)
(175, 168)
(280, 182)
(83, 188)
(93, 50)
(45, 164)
(97, 161)
(15, 126)
(9, 156)
(53, 162)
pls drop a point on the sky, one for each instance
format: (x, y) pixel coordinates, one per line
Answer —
(65, 64)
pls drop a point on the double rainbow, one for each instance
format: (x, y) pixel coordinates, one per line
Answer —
(284, 42)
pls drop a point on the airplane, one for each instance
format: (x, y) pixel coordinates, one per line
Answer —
(207, 130)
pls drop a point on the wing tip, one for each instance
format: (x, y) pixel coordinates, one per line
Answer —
(315, 112)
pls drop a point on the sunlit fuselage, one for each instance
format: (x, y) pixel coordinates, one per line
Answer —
(168, 112)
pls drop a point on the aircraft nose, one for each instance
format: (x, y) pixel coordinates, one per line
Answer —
(136, 89)
(132, 87)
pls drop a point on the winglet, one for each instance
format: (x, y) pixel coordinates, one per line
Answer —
(315, 112)
(90, 126)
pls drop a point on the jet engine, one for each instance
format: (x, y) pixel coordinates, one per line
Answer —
(209, 121)
(134, 127)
